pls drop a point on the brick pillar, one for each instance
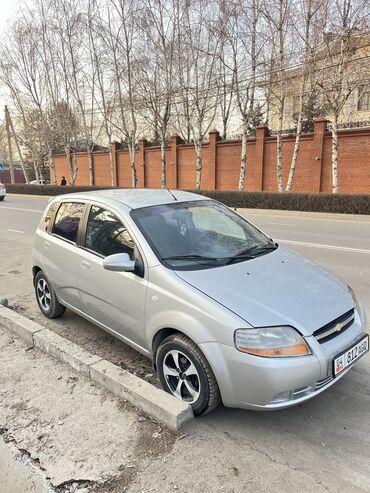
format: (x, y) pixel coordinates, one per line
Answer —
(213, 137)
(259, 156)
(318, 150)
(141, 164)
(173, 182)
(114, 156)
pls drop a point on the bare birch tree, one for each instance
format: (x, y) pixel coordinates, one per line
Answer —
(198, 55)
(157, 79)
(277, 16)
(306, 11)
(343, 70)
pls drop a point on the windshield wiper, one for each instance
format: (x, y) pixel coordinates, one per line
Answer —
(189, 257)
(263, 249)
(251, 253)
(235, 258)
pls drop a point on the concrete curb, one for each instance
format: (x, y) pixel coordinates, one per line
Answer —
(143, 395)
(312, 215)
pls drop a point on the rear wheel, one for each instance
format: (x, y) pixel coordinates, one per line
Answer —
(2, 198)
(46, 298)
(185, 373)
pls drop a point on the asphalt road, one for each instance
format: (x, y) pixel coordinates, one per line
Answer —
(323, 445)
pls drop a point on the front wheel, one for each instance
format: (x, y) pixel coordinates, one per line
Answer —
(46, 298)
(185, 373)
(2, 198)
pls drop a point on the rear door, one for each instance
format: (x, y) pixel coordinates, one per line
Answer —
(60, 254)
(114, 299)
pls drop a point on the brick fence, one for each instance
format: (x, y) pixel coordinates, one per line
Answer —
(221, 163)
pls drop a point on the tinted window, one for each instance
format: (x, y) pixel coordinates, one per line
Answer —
(67, 220)
(106, 235)
(49, 215)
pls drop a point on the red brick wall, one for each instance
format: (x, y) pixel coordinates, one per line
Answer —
(221, 163)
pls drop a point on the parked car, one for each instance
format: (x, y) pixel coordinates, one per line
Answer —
(225, 313)
(40, 182)
(2, 191)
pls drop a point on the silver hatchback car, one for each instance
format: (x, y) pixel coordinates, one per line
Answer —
(226, 314)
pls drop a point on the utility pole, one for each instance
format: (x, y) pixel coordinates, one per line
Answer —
(10, 123)
(12, 180)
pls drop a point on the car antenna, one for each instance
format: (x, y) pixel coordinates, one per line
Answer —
(168, 190)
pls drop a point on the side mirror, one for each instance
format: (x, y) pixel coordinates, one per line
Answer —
(119, 262)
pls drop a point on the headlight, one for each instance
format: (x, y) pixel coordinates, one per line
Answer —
(355, 300)
(271, 342)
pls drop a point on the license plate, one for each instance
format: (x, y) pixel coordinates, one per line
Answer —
(349, 356)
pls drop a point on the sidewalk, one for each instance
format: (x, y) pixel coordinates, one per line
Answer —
(77, 435)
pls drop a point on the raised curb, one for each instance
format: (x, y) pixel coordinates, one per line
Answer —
(141, 394)
(64, 350)
(18, 324)
(312, 215)
(144, 395)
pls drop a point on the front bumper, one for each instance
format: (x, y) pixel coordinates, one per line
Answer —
(252, 382)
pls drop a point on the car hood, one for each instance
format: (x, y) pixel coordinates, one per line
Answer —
(280, 288)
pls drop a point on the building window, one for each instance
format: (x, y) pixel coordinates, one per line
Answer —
(363, 103)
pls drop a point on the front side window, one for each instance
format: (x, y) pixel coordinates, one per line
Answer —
(68, 220)
(200, 234)
(106, 235)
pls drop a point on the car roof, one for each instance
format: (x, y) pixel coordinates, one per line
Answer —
(135, 198)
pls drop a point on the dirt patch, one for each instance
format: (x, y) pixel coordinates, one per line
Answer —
(91, 338)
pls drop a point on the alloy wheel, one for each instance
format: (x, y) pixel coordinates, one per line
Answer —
(181, 376)
(43, 294)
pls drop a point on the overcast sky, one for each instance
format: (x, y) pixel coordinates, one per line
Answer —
(7, 9)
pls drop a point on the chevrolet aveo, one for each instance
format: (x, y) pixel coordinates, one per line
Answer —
(225, 313)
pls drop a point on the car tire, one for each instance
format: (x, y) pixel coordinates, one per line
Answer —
(46, 298)
(2, 198)
(175, 356)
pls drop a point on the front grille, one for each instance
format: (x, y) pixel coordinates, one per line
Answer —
(336, 327)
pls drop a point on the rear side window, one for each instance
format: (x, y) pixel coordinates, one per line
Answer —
(67, 220)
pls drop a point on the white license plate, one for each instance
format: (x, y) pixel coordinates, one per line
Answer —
(349, 356)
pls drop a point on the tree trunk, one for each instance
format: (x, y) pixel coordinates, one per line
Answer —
(297, 143)
(163, 164)
(52, 167)
(69, 161)
(90, 159)
(132, 152)
(334, 154)
(224, 128)
(111, 162)
(243, 159)
(75, 169)
(279, 160)
(36, 168)
(198, 152)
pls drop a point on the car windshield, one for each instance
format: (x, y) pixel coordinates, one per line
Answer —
(200, 234)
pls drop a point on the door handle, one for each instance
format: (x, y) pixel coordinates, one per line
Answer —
(47, 244)
(85, 264)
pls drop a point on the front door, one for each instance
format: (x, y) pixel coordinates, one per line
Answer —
(114, 299)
